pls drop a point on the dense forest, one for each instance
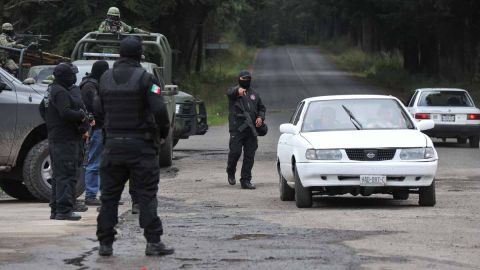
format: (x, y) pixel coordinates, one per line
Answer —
(439, 38)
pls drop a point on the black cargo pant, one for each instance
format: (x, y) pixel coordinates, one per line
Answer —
(65, 160)
(137, 160)
(249, 143)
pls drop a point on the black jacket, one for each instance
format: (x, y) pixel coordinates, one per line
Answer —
(251, 103)
(154, 103)
(62, 114)
(89, 89)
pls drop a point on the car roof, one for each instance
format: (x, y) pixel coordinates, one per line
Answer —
(442, 89)
(344, 97)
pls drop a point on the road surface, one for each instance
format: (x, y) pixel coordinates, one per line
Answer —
(215, 225)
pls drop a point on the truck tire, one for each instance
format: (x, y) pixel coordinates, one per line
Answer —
(37, 171)
(166, 151)
(427, 196)
(16, 189)
(303, 195)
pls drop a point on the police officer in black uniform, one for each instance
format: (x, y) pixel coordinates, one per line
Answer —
(135, 116)
(65, 120)
(246, 114)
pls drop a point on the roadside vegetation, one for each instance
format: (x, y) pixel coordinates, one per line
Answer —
(219, 73)
(386, 69)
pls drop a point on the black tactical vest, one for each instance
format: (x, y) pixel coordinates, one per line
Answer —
(125, 107)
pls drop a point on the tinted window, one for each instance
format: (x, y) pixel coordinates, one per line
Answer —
(445, 99)
(352, 114)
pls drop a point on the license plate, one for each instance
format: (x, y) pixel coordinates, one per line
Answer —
(448, 118)
(373, 180)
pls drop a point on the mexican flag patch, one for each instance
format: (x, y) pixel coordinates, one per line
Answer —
(156, 89)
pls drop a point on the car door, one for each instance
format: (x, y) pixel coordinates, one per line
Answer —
(8, 112)
(285, 145)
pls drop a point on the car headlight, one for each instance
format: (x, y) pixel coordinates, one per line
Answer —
(417, 153)
(177, 109)
(331, 154)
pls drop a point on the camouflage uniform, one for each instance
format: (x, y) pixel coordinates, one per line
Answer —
(109, 26)
(5, 61)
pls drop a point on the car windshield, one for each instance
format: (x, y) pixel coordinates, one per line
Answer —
(355, 114)
(445, 99)
(40, 73)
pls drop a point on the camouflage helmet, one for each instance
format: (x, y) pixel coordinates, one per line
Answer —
(7, 27)
(113, 11)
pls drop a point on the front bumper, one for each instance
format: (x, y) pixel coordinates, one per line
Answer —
(190, 120)
(399, 173)
(453, 131)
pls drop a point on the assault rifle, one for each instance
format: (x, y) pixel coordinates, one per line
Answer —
(31, 38)
(248, 123)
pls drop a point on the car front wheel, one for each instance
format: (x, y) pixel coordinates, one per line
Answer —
(286, 192)
(427, 195)
(303, 195)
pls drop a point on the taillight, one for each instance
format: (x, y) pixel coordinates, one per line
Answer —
(422, 116)
(474, 116)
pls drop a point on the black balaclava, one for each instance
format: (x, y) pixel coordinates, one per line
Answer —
(65, 74)
(247, 78)
(9, 33)
(131, 47)
(98, 68)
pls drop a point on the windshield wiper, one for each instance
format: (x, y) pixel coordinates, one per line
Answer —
(354, 120)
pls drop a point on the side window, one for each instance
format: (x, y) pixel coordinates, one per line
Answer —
(412, 99)
(298, 114)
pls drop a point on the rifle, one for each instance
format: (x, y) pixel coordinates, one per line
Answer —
(248, 120)
(32, 38)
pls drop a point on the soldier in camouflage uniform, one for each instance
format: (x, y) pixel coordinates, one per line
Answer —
(113, 24)
(7, 40)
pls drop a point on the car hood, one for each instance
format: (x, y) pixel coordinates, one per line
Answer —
(366, 139)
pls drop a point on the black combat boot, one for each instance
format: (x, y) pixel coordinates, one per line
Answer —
(80, 207)
(105, 249)
(135, 208)
(69, 216)
(231, 179)
(158, 249)
(52, 215)
(93, 202)
(247, 184)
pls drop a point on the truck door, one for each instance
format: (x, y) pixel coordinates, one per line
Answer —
(8, 113)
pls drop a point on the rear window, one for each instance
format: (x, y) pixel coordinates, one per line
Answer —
(445, 99)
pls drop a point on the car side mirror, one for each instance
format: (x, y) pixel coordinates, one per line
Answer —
(171, 90)
(29, 81)
(425, 125)
(287, 129)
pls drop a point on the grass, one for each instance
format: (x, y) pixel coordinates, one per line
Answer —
(220, 73)
(386, 69)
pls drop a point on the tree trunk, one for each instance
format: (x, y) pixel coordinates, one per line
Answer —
(198, 66)
(410, 55)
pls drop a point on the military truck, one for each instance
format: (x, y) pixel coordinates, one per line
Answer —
(25, 166)
(188, 115)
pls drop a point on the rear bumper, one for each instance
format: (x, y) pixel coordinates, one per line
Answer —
(453, 131)
(399, 173)
(191, 120)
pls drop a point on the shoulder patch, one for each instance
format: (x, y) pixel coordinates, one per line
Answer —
(156, 89)
(252, 97)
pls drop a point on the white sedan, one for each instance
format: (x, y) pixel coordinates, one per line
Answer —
(452, 110)
(357, 144)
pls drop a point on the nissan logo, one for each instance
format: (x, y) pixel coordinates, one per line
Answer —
(371, 155)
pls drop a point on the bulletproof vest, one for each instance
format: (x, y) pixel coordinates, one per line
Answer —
(125, 106)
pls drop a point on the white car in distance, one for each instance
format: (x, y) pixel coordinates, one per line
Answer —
(452, 110)
(357, 144)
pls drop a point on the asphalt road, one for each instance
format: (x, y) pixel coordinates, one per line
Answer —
(215, 225)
